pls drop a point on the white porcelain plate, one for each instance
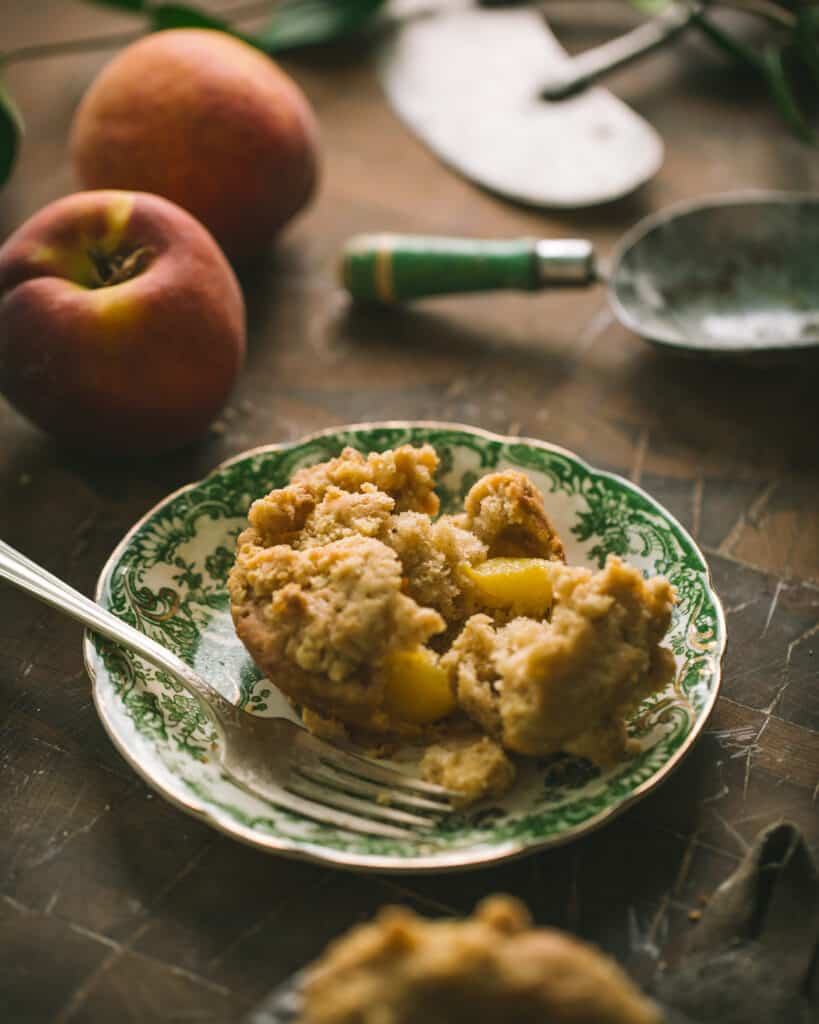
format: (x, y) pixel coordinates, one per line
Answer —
(167, 578)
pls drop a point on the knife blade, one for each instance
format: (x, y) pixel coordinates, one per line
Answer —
(467, 80)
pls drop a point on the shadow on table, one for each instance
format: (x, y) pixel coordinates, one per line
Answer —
(385, 329)
(717, 404)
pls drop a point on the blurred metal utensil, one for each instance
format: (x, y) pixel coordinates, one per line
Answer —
(731, 275)
(467, 79)
(270, 757)
(594, 63)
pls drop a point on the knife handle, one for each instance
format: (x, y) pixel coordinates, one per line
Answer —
(391, 268)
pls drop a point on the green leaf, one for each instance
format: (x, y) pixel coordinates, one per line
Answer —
(165, 16)
(11, 129)
(806, 36)
(126, 5)
(298, 23)
(650, 6)
(734, 47)
(293, 24)
(783, 94)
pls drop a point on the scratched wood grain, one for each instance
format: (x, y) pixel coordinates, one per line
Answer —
(112, 903)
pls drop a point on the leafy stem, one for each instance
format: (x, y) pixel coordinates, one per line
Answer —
(775, 13)
(61, 48)
(11, 130)
(787, 60)
(291, 24)
(87, 44)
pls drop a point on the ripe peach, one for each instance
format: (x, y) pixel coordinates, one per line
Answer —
(122, 325)
(207, 121)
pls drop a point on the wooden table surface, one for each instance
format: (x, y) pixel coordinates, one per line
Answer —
(114, 905)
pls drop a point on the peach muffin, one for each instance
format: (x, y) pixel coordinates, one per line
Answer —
(493, 967)
(468, 631)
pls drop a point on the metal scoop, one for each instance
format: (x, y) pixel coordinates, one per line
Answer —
(727, 275)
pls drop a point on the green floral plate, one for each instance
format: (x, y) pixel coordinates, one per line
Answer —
(167, 578)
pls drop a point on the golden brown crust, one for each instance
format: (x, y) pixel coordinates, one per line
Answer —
(474, 673)
(316, 620)
(568, 684)
(433, 555)
(506, 511)
(493, 968)
(475, 767)
(344, 566)
(406, 474)
(344, 492)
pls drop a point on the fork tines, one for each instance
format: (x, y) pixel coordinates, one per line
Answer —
(357, 785)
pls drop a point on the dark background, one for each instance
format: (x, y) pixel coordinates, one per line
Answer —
(114, 905)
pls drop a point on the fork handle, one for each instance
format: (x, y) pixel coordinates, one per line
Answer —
(28, 576)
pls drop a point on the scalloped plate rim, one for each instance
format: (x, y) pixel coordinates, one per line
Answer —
(459, 860)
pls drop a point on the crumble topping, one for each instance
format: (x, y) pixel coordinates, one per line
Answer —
(567, 683)
(493, 967)
(473, 767)
(370, 614)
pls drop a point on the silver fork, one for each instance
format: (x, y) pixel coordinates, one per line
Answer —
(270, 757)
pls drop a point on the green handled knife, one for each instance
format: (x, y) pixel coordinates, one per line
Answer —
(388, 268)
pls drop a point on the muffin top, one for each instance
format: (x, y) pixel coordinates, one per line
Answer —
(468, 631)
(493, 967)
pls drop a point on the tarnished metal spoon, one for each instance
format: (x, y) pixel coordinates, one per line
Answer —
(735, 274)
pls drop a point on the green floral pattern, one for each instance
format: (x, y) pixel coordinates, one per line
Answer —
(168, 576)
